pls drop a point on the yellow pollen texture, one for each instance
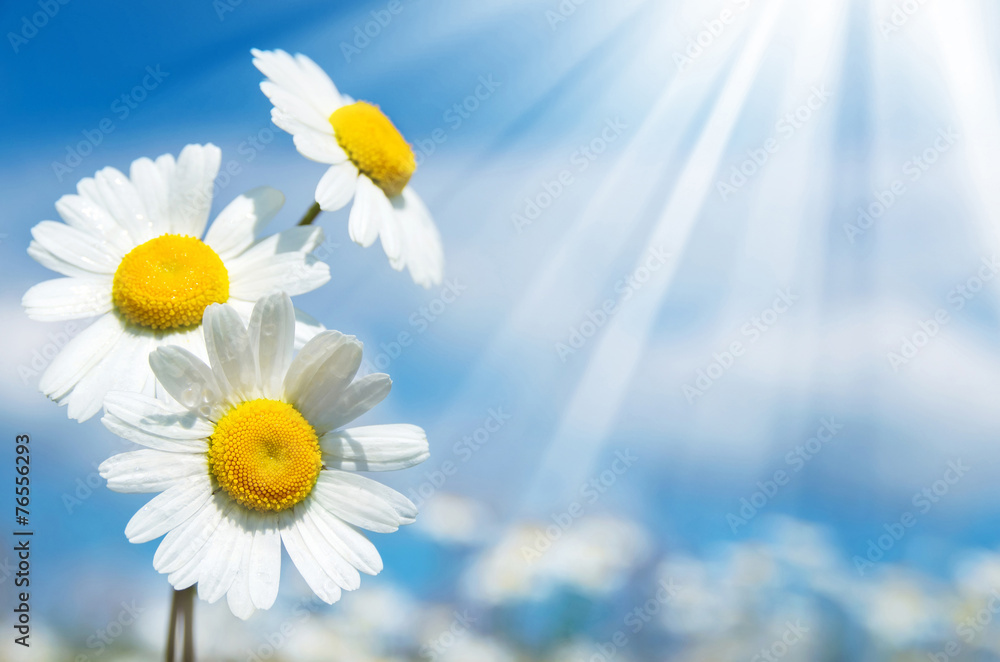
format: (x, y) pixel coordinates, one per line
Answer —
(265, 455)
(374, 145)
(168, 282)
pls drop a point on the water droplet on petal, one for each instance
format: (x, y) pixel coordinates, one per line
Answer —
(192, 396)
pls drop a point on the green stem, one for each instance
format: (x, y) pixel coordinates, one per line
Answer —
(172, 628)
(181, 615)
(188, 607)
(311, 214)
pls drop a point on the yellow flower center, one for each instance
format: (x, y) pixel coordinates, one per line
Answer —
(265, 455)
(168, 282)
(374, 145)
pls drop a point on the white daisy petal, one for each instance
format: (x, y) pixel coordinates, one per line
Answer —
(139, 436)
(348, 541)
(265, 564)
(337, 186)
(375, 448)
(307, 327)
(225, 553)
(320, 84)
(279, 67)
(391, 235)
(362, 501)
(123, 368)
(307, 362)
(187, 379)
(84, 214)
(272, 338)
(86, 253)
(167, 165)
(334, 565)
(421, 251)
(293, 273)
(288, 123)
(357, 399)
(154, 190)
(333, 376)
(187, 575)
(50, 261)
(87, 188)
(150, 470)
(369, 210)
(238, 597)
(169, 509)
(290, 103)
(317, 146)
(150, 422)
(235, 228)
(301, 77)
(300, 240)
(193, 569)
(229, 353)
(182, 543)
(122, 201)
(68, 298)
(311, 570)
(79, 356)
(192, 339)
(191, 188)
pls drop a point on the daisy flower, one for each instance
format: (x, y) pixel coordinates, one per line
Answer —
(256, 458)
(369, 162)
(131, 256)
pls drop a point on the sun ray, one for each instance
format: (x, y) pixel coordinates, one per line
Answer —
(595, 402)
(597, 235)
(971, 81)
